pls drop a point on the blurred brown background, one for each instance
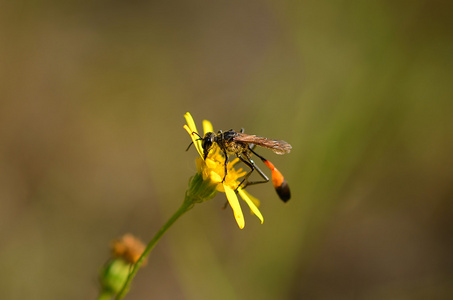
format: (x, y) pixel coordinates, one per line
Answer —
(92, 97)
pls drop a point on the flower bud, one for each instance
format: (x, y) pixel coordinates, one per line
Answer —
(114, 275)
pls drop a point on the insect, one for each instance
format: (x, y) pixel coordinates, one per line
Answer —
(242, 145)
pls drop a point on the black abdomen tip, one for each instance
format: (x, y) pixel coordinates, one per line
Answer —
(283, 191)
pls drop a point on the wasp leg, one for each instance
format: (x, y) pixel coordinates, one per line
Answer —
(226, 163)
(225, 205)
(279, 182)
(221, 144)
(251, 164)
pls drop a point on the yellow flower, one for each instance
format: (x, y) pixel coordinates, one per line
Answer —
(213, 169)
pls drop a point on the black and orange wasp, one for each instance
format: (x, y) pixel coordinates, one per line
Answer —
(242, 145)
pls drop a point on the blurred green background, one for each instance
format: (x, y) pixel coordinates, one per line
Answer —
(92, 100)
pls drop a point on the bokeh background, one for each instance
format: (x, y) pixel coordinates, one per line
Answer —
(92, 100)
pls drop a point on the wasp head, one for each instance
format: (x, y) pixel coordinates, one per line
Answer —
(207, 142)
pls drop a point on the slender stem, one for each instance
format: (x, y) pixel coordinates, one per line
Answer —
(186, 205)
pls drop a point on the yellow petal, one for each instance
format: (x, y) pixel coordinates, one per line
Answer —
(253, 208)
(194, 138)
(233, 162)
(193, 128)
(254, 200)
(199, 162)
(234, 203)
(190, 122)
(210, 163)
(207, 126)
(215, 177)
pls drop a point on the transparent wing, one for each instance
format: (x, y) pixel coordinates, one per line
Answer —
(278, 146)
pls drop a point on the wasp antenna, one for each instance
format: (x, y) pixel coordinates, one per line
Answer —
(189, 146)
(200, 138)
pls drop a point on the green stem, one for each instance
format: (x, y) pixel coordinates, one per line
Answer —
(105, 296)
(186, 205)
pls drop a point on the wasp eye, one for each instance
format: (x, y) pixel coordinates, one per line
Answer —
(206, 144)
